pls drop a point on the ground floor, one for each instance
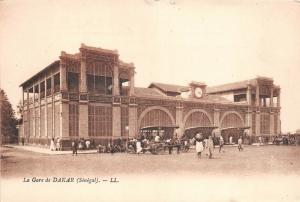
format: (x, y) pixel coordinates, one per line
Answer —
(111, 119)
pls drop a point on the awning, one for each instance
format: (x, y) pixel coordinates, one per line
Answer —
(159, 127)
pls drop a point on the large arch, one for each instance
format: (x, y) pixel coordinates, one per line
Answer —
(153, 108)
(234, 119)
(195, 111)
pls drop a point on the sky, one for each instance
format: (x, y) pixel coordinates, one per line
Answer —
(169, 41)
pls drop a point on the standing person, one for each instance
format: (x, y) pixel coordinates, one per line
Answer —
(138, 147)
(260, 140)
(206, 146)
(199, 148)
(74, 147)
(87, 144)
(22, 140)
(58, 144)
(240, 142)
(210, 145)
(230, 139)
(52, 145)
(221, 143)
(157, 138)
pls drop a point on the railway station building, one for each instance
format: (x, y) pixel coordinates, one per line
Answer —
(92, 94)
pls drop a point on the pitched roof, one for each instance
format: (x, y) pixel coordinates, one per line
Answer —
(169, 87)
(231, 86)
(237, 85)
(56, 62)
(147, 92)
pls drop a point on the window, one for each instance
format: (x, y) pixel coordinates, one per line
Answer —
(57, 82)
(49, 86)
(73, 120)
(124, 121)
(73, 81)
(100, 121)
(42, 86)
(99, 78)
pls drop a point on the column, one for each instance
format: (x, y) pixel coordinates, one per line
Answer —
(116, 83)
(278, 98)
(23, 109)
(264, 102)
(272, 123)
(132, 116)
(249, 97)
(217, 118)
(116, 120)
(83, 83)
(83, 119)
(63, 75)
(257, 123)
(34, 115)
(28, 117)
(53, 106)
(249, 120)
(179, 119)
(131, 82)
(257, 101)
(271, 97)
(46, 109)
(64, 120)
(278, 123)
(40, 108)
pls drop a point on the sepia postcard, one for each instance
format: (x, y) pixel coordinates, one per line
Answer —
(150, 100)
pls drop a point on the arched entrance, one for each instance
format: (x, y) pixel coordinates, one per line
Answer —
(232, 124)
(197, 121)
(154, 119)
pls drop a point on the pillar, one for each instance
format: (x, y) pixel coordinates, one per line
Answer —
(271, 97)
(249, 97)
(63, 75)
(46, 109)
(23, 109)
(132, 116)
(179, 120)
(34, 115)
(131, 82)
(217, 118)
(28, 116)
(249, 120)
(116, 83)
(83, 119)
(53, 106)
(257, 101)
(278, 98)
(116, 117)
(278, 123)
(64, 120)
(257, 123)
(83, 83)
(272, 124)
(40, 108)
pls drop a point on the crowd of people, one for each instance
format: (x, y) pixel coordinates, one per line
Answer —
(157, 142)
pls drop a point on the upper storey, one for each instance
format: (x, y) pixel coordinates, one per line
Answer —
(92, 70)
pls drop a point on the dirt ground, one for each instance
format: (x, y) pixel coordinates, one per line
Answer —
(259, 173)
(253, 160)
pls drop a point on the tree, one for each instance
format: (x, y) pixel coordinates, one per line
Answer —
(8, 121)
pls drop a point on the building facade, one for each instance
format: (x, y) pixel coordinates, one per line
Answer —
(92, 94)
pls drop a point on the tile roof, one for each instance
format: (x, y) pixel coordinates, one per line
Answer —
(169, 87)
(147, 92)
(231, 86)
